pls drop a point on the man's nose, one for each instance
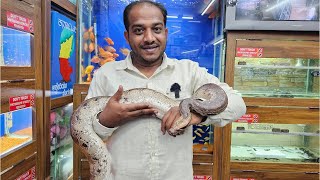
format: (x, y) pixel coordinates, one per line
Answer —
(149, 36)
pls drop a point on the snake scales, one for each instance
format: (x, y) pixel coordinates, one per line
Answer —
(208, 99)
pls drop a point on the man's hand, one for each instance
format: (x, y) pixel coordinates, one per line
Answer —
(115, 113)
(172, 116)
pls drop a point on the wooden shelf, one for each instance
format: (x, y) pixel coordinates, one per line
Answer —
(59, 102)
(66, 5)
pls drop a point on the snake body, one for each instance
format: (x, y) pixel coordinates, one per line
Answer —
(207, 100)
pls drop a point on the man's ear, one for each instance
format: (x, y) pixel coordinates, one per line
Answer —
(166, 31)
(126, 35)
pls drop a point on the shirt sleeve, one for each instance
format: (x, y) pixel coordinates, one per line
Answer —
(96, 89)
(236, 106)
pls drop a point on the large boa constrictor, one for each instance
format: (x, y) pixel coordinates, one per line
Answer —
(207, 100)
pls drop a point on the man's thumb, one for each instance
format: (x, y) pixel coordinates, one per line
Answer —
(118, 94)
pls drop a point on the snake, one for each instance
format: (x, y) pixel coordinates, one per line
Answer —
(209, 99)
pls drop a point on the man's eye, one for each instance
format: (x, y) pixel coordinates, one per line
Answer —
(138, 31)
(157, 30)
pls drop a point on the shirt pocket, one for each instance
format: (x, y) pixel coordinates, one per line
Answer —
(178, 95)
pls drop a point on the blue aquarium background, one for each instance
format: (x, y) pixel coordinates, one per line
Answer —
(21, 119)
(191, 35)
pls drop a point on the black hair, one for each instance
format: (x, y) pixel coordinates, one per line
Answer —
(132, 4)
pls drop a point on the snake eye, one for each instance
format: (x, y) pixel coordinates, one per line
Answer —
(201, 99)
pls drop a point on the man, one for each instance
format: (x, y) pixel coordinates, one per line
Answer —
(139, 145)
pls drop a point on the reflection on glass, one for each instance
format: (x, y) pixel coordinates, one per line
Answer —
(277, 10)
(285, 143)
(61, 156)
(16, 130)
(277, 77)
(16, 47)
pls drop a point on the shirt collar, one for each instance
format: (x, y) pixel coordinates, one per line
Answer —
(127, 63)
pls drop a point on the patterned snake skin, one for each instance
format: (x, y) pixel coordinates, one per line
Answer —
(207, 100)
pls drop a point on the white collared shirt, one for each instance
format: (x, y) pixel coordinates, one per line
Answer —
(138, 148)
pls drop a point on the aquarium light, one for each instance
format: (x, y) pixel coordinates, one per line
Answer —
(277, 5)
(187, 17)
(217, 42)
(186, 52)
(174, 17)
(206, 9)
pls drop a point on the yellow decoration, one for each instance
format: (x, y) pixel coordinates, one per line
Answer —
(66, 48)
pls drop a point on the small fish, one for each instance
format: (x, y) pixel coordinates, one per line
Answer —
(125, 51)
(115, 55)
(200, 130)
(95, 59)
(194, 137)
(197, 133)
(109, 41)
(104, 54)
(110, 49)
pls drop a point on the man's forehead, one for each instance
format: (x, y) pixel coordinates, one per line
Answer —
(142, 15)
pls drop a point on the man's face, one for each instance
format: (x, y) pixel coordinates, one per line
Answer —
(147, 34)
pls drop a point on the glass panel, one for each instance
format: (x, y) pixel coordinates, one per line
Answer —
(283, 143)
(277, 77)
(203, 139)
(73, 1)
(277, 10)
(15, 130)
(16, 47)
(61, 156)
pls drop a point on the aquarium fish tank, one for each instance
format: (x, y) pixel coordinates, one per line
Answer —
(276, 77)
(195, 32)
(276, 143)
(16, 47)
(15, 130)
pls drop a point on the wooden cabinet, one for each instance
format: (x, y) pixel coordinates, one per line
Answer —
(272, 71)
(21, 85)
(57, 148)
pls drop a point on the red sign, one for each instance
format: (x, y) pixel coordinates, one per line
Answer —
(202, 178)
(249, 118)
(19, 22)
(233, 178)
(249, 52)
(29, 175)
(20, 102)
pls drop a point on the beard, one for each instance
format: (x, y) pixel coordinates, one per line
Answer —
(138, 58)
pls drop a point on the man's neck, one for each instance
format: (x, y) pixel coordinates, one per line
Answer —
(147, 69)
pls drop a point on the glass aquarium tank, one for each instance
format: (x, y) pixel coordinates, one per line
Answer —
(15, 47)
(61, 144)
(276, 77)
(16, 130)
(276, 143)
(195, 32)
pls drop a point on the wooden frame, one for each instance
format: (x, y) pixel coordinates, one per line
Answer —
(69, 9)
(272, 110)
(29, 155)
